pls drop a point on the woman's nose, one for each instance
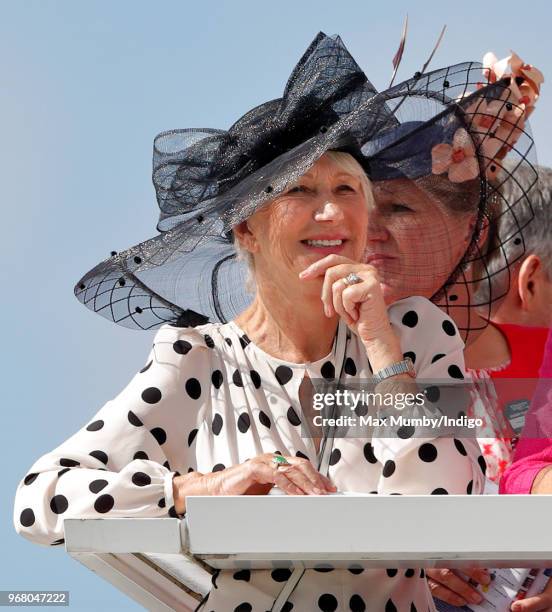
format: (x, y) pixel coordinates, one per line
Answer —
(329, 211)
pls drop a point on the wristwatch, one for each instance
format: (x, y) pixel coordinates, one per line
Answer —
(406, 366)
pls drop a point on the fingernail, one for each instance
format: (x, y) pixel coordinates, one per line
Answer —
(317, 491)
(475, 598)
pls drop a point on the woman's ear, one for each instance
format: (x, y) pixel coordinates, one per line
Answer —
(529, 275)
(245, 237)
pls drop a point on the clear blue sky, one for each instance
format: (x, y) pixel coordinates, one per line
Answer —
(85, 87)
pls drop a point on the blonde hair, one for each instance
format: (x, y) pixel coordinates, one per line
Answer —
(345, 161)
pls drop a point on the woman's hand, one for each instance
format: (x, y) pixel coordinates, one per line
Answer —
(537, 603)
(451, 588)
(255, 476)
(360, 305)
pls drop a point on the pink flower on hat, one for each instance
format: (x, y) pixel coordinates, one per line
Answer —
(526, 80)
(458, 159)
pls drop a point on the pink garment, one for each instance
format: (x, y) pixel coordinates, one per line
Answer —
(534, 450)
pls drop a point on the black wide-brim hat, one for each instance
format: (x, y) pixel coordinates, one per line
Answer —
(207, 181)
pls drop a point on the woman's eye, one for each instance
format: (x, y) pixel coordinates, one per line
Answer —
(345, 188)
(298, 189)
(397, 207)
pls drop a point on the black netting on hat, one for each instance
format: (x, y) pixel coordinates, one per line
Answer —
(433, 146)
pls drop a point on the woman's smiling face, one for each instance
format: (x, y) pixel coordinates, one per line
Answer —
(413, 240)
(325, 211)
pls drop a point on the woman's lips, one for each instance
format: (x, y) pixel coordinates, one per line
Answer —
(325, 250)
(378, 259)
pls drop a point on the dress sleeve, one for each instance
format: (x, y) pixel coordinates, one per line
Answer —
(119, 463)
(430, 465)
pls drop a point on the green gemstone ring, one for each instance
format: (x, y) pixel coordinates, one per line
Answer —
(279, 460)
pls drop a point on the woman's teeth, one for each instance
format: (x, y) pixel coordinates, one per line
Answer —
(317, 243)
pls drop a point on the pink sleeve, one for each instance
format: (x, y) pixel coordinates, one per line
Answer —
(546, 367)
(532, 455)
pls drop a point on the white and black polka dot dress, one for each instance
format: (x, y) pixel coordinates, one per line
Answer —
(208, 398)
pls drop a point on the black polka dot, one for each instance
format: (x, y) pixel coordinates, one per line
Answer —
(162, 503)
(410, 354)
(243, 607)
(172, 512)
(350, 367)
(151, 395)
(460, 447)
(104, 503)
(388, 468)
(390, 606)
(369, 453)
(140, 455)
(355, 570)
(410, 319)
(335, 456)
(95, 426)
(191, 469)
(27, 517)
(283, 374)
(243, 574)
(244, 422)
(356, 603)
(323, 568)
(63, 471)
(59, 504)
(264, 419)
(482, 464)
(409, 573)
(217, 379)
(181, 347)
(146, 367)
(406, 431)
(218, 467)
(216, 425)
(292, 416)
(159, 434)
(133, 419)
(99, 455)
(244, 341)
(392, 572)
(437, 357)
(361, 409)
(209, 341)
(237, 378)
(31, 478)
(427, 452)
(448, 328)
(97, 485)
(432, 394)
(281, 574)
(327, 602)
(68, 462)
(300, 454)
(191, 436)
(469, 488)
(413, 608)
(455, 372)
(255, 379)
(58, 542)
(287, 607)
(328, 370)
(439, 491)
(228, 341)
(193, 388)
(422, 573)
(140, 479)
